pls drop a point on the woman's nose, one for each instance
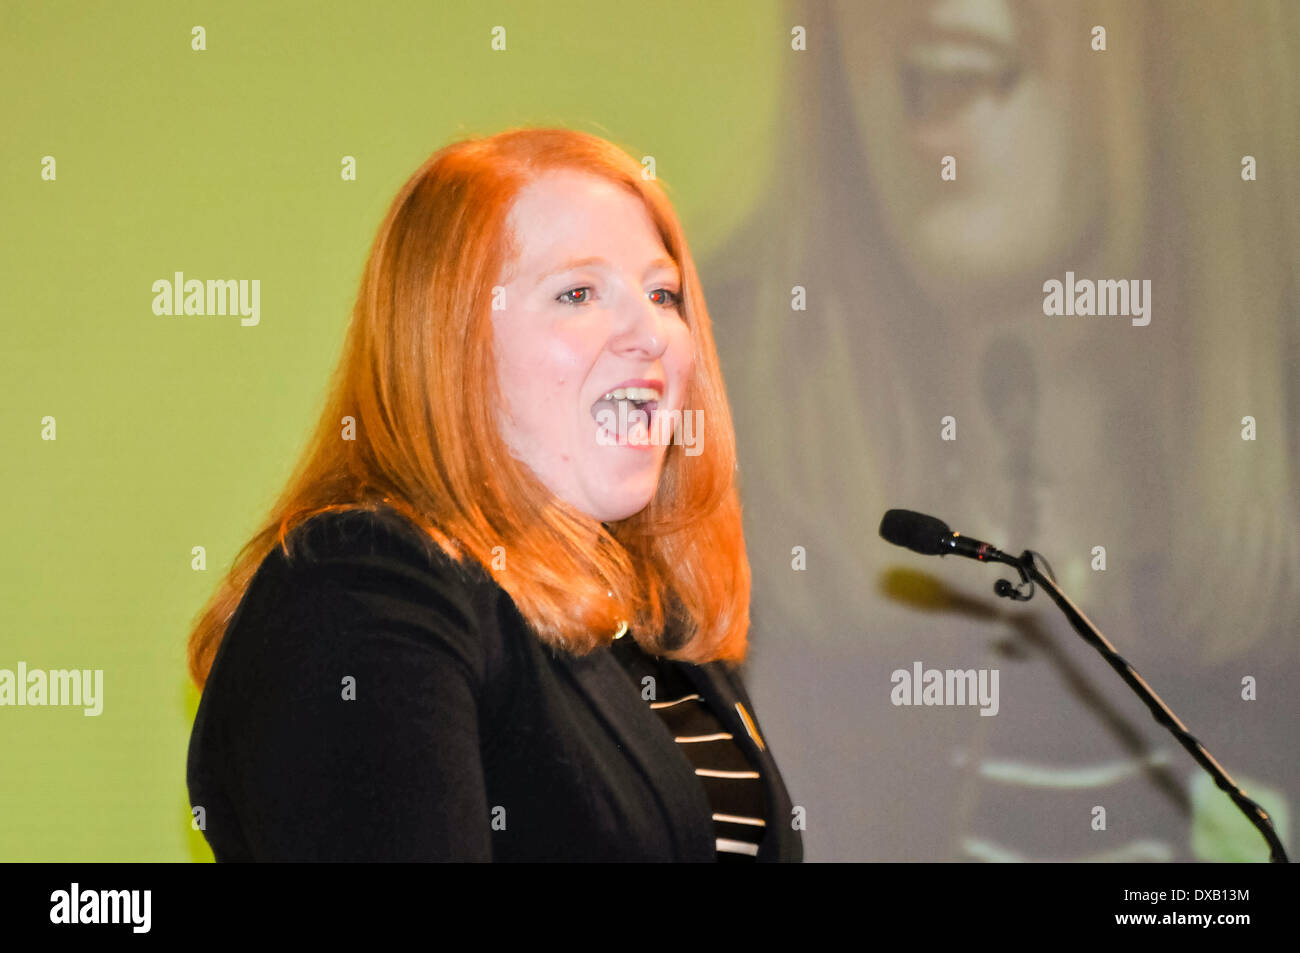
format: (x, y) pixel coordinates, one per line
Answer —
(641, 328)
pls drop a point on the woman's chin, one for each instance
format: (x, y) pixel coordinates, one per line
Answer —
(621, 500)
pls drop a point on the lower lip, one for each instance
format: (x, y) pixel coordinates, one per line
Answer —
(632, 446)
(954, 134)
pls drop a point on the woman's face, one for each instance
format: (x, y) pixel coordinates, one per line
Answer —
(1009, 88)
(590, 306)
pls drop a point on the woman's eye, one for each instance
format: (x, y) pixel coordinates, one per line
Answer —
(664, 297)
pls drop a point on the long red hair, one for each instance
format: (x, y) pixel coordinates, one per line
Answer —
(417, 378)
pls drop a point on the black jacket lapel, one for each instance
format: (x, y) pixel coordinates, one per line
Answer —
(639, 732)
(728, 698)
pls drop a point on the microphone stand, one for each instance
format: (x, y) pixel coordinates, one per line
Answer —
(1029, 574)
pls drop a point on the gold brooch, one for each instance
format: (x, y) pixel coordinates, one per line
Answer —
(750, 726)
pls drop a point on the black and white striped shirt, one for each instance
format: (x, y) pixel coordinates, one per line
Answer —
(731, 782)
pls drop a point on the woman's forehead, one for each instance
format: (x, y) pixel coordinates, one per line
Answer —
(577, 224)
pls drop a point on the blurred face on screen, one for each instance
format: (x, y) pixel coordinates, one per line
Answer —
(591, 344)
(1006, 88)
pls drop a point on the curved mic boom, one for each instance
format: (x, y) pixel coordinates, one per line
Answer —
(932, 537)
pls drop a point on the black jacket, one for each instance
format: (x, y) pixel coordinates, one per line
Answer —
(373, 700)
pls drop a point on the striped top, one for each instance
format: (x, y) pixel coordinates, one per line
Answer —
(731, 783)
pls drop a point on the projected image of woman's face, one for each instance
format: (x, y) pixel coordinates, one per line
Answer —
(593, 350)
(1004, 89)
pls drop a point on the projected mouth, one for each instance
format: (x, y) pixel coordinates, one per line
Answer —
(940, 79)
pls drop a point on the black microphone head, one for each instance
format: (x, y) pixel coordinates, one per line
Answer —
(918, 532)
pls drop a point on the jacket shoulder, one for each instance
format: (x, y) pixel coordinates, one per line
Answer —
(345, 700)
(351, 577)
(343, 535)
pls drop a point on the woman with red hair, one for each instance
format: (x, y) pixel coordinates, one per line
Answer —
(497, 613)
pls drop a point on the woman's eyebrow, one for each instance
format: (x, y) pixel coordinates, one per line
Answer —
(597, 260)
(667, 264)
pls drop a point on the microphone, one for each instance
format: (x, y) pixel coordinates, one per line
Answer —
(930, 536)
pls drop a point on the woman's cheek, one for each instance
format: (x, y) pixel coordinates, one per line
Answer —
(683, 369)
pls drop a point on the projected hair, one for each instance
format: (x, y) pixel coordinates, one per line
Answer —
(1197, 82)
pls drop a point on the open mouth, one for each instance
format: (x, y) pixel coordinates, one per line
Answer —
(939, 80)
(624, 412)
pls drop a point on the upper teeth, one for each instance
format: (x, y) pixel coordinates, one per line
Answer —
(959, 59)
(632, 393)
